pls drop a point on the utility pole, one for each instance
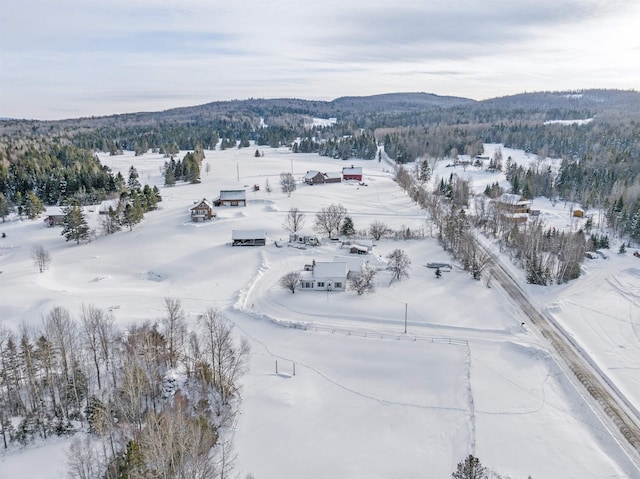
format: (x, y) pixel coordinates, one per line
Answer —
(238, 172)
(405, 318)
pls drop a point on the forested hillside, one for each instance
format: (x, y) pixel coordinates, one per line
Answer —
(600, 152)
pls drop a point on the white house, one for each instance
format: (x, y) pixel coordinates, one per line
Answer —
(325, 276)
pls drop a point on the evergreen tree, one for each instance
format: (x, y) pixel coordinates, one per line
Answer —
(347, 228)
(133, 182)
(470, 468)
(191, 168)
(132, 215)
(169, 176)
(74, 224)
(4, 207)
(32, 206)
(424, 172)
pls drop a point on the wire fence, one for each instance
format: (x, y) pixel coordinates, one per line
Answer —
(377, 335)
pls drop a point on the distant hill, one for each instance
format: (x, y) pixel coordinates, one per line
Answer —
(613, 104)
(609, 102)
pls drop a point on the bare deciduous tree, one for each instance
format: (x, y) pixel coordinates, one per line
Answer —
(329, 220)
(363, 282)
(399, 264)
(378, 229)
(290, 281)
(41, 257)
(84, 460)
(287, 183)
(174, 328)
(228, 361)
(294, 220)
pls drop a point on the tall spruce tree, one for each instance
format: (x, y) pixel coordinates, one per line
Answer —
(74, 224)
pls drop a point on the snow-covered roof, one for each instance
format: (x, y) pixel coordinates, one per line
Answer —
(330, 269)
(248, 234)
(352, 170)
(233, 194)
(513, 199)
(54, 211)
(354, 263)
(333, 174)
(311, 174)
(106, 204)
(204, 202)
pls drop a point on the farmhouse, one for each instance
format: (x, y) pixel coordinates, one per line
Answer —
(315, 177)
(325, 276)
(352, 173)
(248, 238)
(231, 198)
(513, 208)
(202, 211)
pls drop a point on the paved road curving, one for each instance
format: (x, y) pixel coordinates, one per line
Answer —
(611, 403)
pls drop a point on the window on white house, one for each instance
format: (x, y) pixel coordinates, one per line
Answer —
(320, 284)
(338, 285)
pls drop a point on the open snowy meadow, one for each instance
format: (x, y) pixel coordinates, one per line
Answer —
(403, 382)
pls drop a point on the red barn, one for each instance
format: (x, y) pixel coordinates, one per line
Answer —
(352, 173)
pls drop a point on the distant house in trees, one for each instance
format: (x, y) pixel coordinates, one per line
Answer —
(248, 238)
(231, 198)
(54, 216)
(352, 173)
(513, 208)
(578, 213)
(314, 177)
(103, 209)
(324, 276)
(202, 211)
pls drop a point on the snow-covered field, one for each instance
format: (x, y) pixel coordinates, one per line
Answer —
(367, 399)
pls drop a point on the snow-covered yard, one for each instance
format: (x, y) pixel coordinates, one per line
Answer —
(367, 399)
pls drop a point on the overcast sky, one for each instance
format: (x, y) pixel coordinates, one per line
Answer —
(70, 58)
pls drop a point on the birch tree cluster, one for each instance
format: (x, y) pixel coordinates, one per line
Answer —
(155, 399)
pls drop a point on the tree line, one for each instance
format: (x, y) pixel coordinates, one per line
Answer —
(151, 400)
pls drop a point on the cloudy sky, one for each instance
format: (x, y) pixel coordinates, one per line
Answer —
(70, 58)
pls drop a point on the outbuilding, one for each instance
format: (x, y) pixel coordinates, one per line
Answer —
(231, 198)
(248, 238)
(352, 173)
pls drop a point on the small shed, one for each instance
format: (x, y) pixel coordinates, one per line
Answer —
(54, 216)
(248, 238)
(352, 173)
(358, 249)
(231, 198)
(578, 213)
(202, 211)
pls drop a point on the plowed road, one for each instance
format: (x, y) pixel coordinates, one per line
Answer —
(611, 403)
